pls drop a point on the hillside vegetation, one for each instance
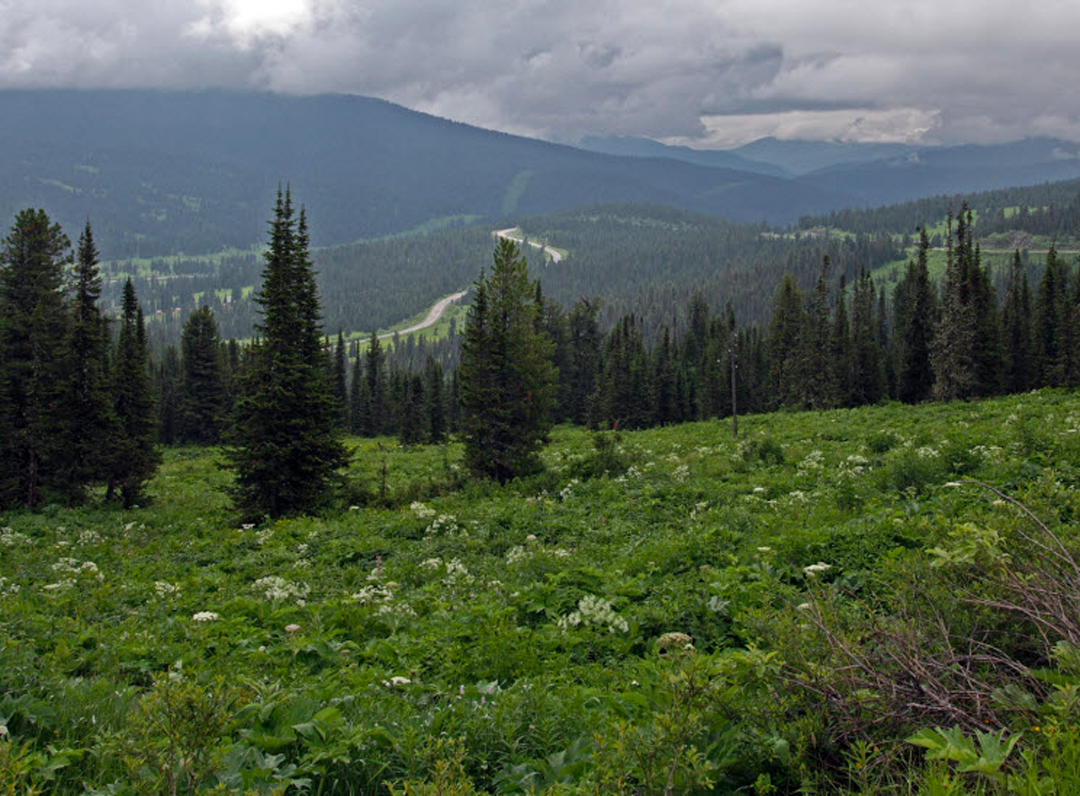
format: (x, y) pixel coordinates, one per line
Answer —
(659, 611)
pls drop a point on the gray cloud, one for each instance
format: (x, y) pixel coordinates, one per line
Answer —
(703, 72)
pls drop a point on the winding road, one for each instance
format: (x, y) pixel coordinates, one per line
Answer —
(555, 256)
(433, 316)
(439, 307)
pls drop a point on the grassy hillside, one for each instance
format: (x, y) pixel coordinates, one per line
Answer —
(826, 569)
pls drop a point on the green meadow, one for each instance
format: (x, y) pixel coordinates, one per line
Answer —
(834, 602)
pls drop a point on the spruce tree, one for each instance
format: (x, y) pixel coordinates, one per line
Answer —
(787, 377)
(377, 420)
(202, 401)
(915, 313)
(952, 354)
(1016, 326)
(815, 356)
(842, 368)
(284, 446)
(1050, 311)
(435, 398)
(133, 457)
(867, 387)
(33, 337)
(358, 399)
(507, 379)
(340, 383)
(87, 405)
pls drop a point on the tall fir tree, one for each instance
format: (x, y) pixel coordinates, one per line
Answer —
(340, 382)
(134, 457)
(867, 387)
(585, 345)
(377, 420)
(202, 392)
(435, 398)
(507, 381)
(815, 356)
(284, 446)
(785, 347)
(33, 339)
(1016, 327)
(915, 318)
(841, 361)
(952, 353)
(1051, 305)
(87, 405)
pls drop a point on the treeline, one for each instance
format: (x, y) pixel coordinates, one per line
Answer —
(642, 259)
(1048, 209)
(76, 405)
(842, 343)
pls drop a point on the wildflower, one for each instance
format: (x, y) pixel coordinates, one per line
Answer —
(760, 490)
(291, 628)
(431, 563)
(163, 589)
(803, 607)
(398, 682)
(277, 588)
(817, 568)
(421, 511)
(674, 644)
(205, 616)
(764, 549)
(953, 483)
(531, 537)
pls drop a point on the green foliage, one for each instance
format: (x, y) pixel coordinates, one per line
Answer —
(542, 624)
(283, 444)
(507, 381)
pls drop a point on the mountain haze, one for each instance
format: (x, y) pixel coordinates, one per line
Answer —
(161, 172)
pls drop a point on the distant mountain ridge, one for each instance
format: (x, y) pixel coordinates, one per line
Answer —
(166, 172)
(161, 172)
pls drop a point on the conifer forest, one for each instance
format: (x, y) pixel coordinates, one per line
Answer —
(627, 494)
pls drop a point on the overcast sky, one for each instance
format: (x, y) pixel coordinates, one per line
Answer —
(707, 73)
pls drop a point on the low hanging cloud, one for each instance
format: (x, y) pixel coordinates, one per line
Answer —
(700, 72)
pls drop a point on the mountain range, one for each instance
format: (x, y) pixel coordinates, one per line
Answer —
(167, 172)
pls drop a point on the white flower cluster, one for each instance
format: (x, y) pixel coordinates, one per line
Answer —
(165, 590)
(680, 473)
(10, 538)
(89, 536)
(567, 491)
(456, 573)
(517, 554)
(205, 616)
(816, 569)
(422, 511)
(854, 465)
(277, 588)
(815, 460)
(7, 588)
(72, 566)
(595, 612)
(264, 536)
(631, 473)
(927, 452)
(443, 524)
(431, 563)
(375, 594)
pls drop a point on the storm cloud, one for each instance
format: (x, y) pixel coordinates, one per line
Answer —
(705, 73)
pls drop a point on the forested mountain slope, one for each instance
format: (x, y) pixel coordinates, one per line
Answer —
(162, 173)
